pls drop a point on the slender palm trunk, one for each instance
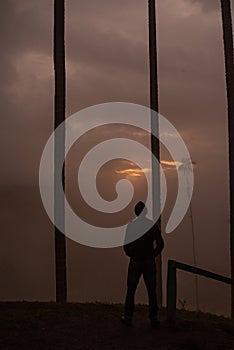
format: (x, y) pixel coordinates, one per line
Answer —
(59, 148)
(229, 66)
(154, 127)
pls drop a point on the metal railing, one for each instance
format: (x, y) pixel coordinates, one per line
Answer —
(172, 283)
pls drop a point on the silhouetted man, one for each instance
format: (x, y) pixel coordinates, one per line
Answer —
(142, 253)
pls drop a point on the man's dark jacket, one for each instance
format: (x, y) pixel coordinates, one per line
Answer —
(143, 247)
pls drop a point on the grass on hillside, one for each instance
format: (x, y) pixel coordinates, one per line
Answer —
(37, 325)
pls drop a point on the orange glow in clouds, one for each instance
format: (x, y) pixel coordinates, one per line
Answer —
(132, 172)
(136, 172)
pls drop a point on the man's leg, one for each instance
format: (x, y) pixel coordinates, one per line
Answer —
(134, 273)
(149, 275)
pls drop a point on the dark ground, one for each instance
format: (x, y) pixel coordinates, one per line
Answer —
(97, 326)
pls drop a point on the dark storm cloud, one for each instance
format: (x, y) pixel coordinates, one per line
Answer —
(107, 47)
(26, 26)
(26, 61)
(26, 86)
(207, 5)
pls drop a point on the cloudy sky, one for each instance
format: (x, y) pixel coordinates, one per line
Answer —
(107, 60)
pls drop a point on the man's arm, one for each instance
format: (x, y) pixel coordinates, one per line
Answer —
(159, 240)
(128, 249)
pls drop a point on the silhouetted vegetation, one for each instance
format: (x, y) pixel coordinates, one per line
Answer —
(97, 326)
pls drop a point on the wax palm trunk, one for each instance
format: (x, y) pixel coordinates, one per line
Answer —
(59, 144)
(154, 127)
(229, 66)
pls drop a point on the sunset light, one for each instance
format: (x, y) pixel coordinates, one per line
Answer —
(132, 172)
(117, 176)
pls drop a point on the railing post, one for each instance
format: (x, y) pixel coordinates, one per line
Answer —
(172, 265)
(171, 290)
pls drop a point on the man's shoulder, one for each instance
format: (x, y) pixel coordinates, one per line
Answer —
(149, 220)
(139, 221)
(140, 225)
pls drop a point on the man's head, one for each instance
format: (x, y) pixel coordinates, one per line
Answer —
(140, 208)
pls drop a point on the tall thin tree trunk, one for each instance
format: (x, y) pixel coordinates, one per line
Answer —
(59, 148)
(154, 127)
(229, 66)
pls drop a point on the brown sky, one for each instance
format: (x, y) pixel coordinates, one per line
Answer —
(107, 60)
